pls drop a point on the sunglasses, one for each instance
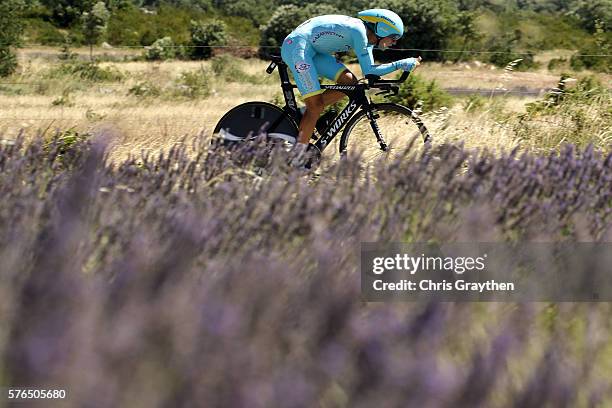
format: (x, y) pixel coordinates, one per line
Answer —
(395, 37)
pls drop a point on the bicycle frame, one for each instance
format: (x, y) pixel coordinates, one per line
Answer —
(358, 100)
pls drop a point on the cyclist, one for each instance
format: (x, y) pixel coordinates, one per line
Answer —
(307, 51)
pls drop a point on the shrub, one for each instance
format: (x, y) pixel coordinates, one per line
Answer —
(64, 100)
(162, 49)
(556, 63)
(65, 53)
(581, 115)
(8, 61)
(229, 69)
(86, 70)
(418, 92)
(225, 64)
(593, 54)
(503, 52)
(474, 103)
(585, 91)
(66, 148)
(193, 84)
(11, 90)
(205, 35)
(11, 27)
(93, 72)
(43, 32)
(145, 89)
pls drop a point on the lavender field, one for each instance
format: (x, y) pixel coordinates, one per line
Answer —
(188, 280)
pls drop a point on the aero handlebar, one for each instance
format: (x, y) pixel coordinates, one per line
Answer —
(374, 80)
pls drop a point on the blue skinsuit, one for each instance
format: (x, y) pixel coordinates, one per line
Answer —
(307, 51)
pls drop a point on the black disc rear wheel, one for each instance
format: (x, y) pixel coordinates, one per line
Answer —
(247, 121)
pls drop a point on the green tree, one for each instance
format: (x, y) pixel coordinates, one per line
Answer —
(65, 13)
(94, 25)
(551, 6)
(114, 5)
(342, 6)
(428, 24)
(203, 5)
(258, 11)
(591, 11)
(467, 31)
(205, 35)
(591, 55)
(126, 26)
(470, 5)
(285, 19)
(10, 31)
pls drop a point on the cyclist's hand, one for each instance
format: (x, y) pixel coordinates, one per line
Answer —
(408, 64)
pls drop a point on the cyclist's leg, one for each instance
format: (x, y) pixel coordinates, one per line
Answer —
(331, 68)
(298, 55)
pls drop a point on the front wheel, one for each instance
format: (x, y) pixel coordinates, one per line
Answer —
(395, 124)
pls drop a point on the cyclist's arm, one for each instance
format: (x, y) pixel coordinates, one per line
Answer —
(366, 59)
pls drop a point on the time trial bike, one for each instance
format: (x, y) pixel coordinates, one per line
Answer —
(363, 120)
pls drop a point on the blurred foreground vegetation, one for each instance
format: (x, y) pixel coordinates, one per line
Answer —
(190, 279)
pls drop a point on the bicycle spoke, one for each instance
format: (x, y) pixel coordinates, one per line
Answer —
(397, 130)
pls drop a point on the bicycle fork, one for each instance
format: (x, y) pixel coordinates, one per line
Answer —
(372, 116)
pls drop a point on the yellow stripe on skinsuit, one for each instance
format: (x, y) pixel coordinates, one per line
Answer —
(308, 95)
(371, 19)
(340, 71)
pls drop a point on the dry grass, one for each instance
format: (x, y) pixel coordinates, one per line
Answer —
(484, 76)
(50, 53)
(156, 123)
(149, 124)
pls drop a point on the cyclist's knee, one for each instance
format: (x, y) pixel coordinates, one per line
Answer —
(315, 104)
(347, 78)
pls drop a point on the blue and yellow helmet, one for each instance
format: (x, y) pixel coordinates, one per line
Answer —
(383, 22)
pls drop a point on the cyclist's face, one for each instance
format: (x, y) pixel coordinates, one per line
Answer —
(388, 41)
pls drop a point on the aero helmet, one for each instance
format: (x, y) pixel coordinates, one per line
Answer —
(383, 22)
